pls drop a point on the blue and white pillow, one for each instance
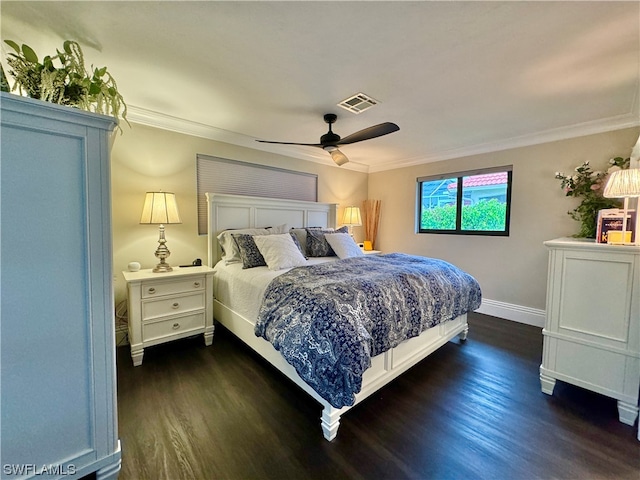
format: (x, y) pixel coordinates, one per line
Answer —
(249, 253)
(317, 245)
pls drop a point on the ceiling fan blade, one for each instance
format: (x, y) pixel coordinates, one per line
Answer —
(337, 156)
(293, 143)
(368, 133)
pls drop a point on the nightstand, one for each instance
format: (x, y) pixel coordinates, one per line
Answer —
(371, 252)
(167, 306)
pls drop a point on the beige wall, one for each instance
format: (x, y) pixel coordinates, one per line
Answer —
(510, 269)
(145, 159)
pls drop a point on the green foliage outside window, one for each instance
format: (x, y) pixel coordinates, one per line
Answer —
(487, 215)
(439, 218)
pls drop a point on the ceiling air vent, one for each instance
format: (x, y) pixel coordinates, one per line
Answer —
(358, 103)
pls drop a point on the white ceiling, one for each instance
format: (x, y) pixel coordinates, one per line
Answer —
(457, 77)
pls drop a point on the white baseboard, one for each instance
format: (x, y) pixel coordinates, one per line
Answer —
(516, 313)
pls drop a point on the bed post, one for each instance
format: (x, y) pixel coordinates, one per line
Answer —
(463, 334)
(330, 421)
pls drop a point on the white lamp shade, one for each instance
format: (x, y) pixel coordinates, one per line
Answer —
(351, 216)
(623, 184)
(635, 152)
(160, 208)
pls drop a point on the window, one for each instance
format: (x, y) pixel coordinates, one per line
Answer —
(469, 203)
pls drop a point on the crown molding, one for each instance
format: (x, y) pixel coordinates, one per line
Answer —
(563, 133)
(167, 122)
(155, 119)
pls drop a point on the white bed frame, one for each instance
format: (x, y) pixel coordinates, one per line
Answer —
(234, 211)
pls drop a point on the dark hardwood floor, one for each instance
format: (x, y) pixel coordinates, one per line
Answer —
(472, 410)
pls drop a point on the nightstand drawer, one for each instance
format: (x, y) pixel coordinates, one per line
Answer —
(172, 305)
(159, 289)
(163, 329)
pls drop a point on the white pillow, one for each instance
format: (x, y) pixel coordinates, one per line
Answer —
(230, 250)
(284, 228)
(343, 245)
(279, 251)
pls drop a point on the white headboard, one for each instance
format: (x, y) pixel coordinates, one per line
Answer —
(231, 212)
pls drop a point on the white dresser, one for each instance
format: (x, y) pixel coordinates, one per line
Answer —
(167, 306)
(592, 329)
(58, 381)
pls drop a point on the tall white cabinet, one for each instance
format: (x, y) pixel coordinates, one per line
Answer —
(592, 330)
(57, 347)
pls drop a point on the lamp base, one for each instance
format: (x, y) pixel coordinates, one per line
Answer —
(162, 268)
(162, 253)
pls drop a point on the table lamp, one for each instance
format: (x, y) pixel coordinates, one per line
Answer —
(351, 218)
(160, 208)
(626, 184)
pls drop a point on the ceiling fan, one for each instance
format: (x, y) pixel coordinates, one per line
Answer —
(330, 141)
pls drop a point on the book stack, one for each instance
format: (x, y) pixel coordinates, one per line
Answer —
(610, 223)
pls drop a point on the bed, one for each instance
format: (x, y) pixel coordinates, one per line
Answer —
(239, 305)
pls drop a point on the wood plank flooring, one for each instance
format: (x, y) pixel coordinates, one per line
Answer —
(472, 410)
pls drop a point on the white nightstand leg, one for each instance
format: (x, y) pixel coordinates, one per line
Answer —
(208, 335)
(137, 352)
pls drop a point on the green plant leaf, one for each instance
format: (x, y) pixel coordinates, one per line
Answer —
(48, 63)
(13, 45)
(68, 84)
(29, 54)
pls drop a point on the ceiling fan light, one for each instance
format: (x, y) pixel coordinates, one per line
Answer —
(338, 157)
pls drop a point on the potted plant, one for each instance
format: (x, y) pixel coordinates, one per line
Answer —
(588, 185)
(63, 79)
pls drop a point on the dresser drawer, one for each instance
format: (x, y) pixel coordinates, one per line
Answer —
(160, 331)
(172, 305)
(182, 285)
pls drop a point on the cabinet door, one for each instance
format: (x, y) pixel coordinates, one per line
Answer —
(595, 296)
(57, 350)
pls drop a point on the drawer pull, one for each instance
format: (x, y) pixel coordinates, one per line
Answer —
(175, 305)
(196, 284)
(151, 290)
(176, 326)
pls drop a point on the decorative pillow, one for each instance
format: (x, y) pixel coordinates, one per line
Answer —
(317, 245)
(249, 253)
(343, 244)
(284, 228)
(297, 242)
(301, 236)
(279, 251)
(230, 251)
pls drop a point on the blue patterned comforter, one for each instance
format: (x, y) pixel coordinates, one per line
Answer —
(328, 320)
